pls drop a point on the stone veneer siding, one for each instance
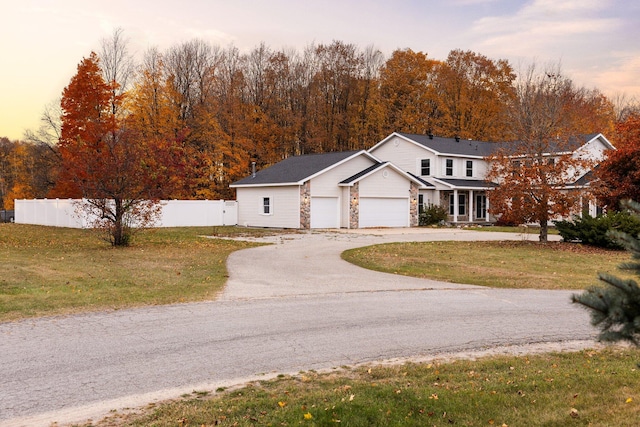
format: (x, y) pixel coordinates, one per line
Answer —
(413, 206)
(354, 205)
(305, 205)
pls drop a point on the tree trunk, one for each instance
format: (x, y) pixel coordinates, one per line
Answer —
(118, 235)
(544, 231)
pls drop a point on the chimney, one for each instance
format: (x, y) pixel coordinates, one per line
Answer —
(253, 169)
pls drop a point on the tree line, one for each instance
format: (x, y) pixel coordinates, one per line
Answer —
(201, 113)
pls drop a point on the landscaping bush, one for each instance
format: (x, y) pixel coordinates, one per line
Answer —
(594, 231)
(433, 214)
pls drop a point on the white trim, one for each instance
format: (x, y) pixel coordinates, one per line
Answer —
(261, 200)
(383, 166)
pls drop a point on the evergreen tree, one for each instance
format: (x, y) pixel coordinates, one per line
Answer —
(615, 307)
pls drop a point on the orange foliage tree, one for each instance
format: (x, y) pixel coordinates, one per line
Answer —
(120, 173)
(406, 85)
(473, 94)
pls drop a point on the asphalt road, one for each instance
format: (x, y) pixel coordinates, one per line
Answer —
(288, 307)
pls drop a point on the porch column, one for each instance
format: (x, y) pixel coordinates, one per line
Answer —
(455, 206)
(486, 212)
(470, 205)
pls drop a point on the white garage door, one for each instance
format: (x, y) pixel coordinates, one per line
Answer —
(325, 212)
(381, 212)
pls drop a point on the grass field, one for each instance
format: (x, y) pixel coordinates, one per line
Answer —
(588, 388)
(48, 271)
(508, 264)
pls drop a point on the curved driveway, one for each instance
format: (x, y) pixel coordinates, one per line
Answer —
(291, 306)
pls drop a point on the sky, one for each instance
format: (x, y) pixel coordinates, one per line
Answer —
(597, 42)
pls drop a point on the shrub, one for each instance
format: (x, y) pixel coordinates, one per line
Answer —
(594, 231)
(433, 214)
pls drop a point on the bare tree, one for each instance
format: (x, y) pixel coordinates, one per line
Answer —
(116, 61)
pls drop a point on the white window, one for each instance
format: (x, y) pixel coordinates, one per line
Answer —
(267, 206)
(425, 167)
(449, 167)
(469, 168)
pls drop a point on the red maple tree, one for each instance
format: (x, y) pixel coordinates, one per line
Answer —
(619, 174)
(120, 174)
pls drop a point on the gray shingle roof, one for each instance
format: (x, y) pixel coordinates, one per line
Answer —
(363, 173)
(468, 183)
(294, 169)
(587, 178)
(462, 147)
(467, 147)
(425, 183)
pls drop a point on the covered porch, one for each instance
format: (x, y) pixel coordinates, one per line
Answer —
(466, 201)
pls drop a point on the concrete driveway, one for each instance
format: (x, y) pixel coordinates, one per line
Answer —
(309, 263)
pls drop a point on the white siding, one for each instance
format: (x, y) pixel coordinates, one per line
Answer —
(385, 183)
(405, 155)
(593, 150)
(408, 156)
(326, 184)
(285, 207)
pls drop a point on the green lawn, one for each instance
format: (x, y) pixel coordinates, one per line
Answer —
(508, 264)
(588, 388)
(47, 270)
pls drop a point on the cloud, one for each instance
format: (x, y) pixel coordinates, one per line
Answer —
(542, 26)
(619, 76)
(587, 36)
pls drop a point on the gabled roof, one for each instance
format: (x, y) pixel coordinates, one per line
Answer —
(556, 147)
(364, 173)
(472, 148)
(296, 170)
(440, 145)
(467, 183)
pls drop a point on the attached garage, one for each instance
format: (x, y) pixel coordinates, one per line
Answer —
(384, 212)
(325, 212)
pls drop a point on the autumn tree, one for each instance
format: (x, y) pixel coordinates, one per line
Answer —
(120, 174)
(473, 93)
(533, 173)
(406, 86)
(619, 174)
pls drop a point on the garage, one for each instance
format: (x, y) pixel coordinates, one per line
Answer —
(325, 212)
(384, 212)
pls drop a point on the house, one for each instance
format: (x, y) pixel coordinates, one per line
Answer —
(385, 186)
(455, 168)
(334, 190)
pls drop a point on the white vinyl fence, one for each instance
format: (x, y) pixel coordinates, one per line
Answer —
(175, 213)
